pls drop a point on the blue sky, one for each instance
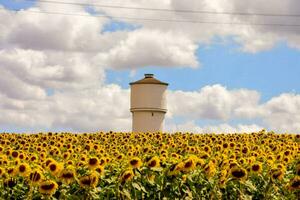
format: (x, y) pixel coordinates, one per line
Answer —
(271, 68)
(271, 72)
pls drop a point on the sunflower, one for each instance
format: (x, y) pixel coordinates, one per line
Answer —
(67, 175)
(189, 165)
(209, 169)
(175, 169)
(154, 162)
(15, 154)
(238, 173)
(256, 168)
(276, 174)
(127, 175)
(89, 181)
(100, 170)
(55, 168)
(48, 161)
(23, 169)
(10, 182)
(295, 183)
(35, 176)
(48, 187)
(135, 162)
(93, 162)
(11, 171)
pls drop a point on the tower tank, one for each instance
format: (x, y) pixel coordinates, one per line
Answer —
(148, 104)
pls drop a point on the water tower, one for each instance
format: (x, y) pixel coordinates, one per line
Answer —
(148, 104)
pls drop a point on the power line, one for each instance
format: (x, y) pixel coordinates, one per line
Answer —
(158, 20)
(172, 10)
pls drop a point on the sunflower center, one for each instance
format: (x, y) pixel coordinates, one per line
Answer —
(134, 162)
(92, 161)
(188, 164)
(22, 168)
(52, 167)
(296, 184)
(152, 163)
(48, 186)
(127, 176)
(255, 168)
(238, 173)
(86, 181)
(68, 175)
(14, 154)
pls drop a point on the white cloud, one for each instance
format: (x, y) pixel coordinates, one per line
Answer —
(151, 48)
(282, 113)
(105, 108)
(213, 102)
(191, 126)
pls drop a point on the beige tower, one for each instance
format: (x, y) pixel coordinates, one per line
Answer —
(148, 104)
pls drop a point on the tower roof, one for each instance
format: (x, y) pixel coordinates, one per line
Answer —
(149, 79)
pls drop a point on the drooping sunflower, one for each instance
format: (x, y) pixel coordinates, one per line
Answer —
(10, 182)
(48, 187)
(295, 183)
(154, 162)
(11, 171)
(175, 169)
(127, 175)
(238, 173)
(100, 170)
(67, 175)
(276, 174)
(210, 169)
(135, 162)
(189, 165)
(89, 181)
(35, 176)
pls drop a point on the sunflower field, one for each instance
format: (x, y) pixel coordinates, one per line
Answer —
(116, 165)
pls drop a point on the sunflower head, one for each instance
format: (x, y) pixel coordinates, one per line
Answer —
(35, 176)
(276, 174)
(154, 162)
(238, 173)
(127, 175)
(256, 168)
(189, 165)
(93, 162)
(100, 170)
(23, 169)
(295, 183)
(135, 162)
(48, 187)
(67, 175)
(89, 181)
(54, 168)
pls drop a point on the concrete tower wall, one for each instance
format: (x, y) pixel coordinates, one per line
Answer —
(146, 121)
(148, 96)
(148, 104)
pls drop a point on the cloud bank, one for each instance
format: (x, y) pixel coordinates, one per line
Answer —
(53, 67)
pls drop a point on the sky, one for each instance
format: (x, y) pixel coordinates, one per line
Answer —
(64, 68)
